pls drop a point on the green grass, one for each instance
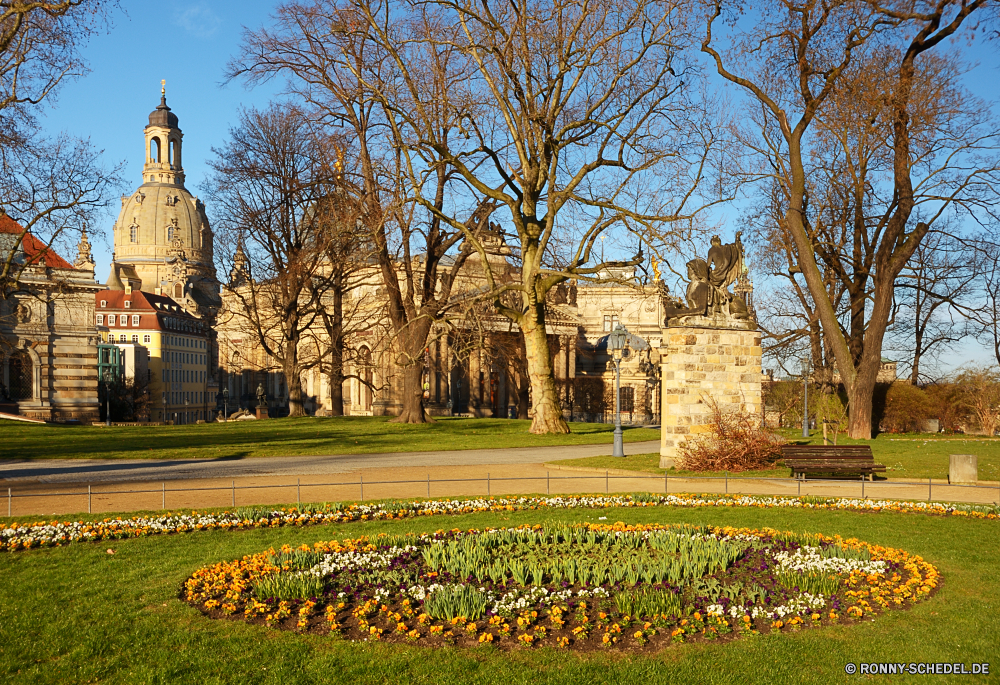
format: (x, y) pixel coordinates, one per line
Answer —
(78, 614)
(288, 437)
(920, 456)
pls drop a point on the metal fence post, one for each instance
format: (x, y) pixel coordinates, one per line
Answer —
(727, 482)
(546, 482)
(665, 486)
(163, 502)
(487, 483)
(362, 488)
(607, 482)
(298, 493)
(89, 500)
(928, 489)
(862, 486)
(799, 481)
(8, 502)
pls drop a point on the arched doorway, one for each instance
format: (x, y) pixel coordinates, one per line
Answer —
(20, 376)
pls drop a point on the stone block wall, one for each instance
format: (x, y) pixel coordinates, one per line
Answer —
(696, 363)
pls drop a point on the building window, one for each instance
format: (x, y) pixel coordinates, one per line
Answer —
(133, 233)
(178, 290)
(135, 319)
(111, 319)
(20, 373)
(147, 339)
(128, 304)
(135, 338)
(628, 400)
(100, 319)
(104, 303)
(610, 321)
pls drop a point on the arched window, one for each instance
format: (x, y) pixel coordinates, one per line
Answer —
(175, 154)
(20, 376)
(178, 290)
(133, 233)
(154, 150)
(170, 233)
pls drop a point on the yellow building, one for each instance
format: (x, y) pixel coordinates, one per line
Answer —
(179, 371)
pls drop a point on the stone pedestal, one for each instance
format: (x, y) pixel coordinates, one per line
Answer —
(262, 412)
(699, 361)
(964, 468)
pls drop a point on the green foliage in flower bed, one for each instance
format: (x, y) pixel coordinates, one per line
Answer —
(288, 586)
(575, 555)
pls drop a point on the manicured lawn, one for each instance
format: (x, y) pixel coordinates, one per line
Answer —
(287, 437)
(78, 614)
(905, 456)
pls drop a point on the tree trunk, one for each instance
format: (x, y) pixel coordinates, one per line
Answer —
(336, 377)
(523, 393)
(290, 367)
(545, 397)
(414, 340)
(335, 329)
(860, 394)
(413, 397)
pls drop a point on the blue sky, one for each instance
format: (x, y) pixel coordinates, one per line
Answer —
(186, 43)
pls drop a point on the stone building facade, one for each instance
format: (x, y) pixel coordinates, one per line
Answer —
(48, 343)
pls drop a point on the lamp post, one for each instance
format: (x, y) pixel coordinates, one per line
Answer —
(107, 396)
(187, 403)
(805, 397)
(617, 341)
(225, 403)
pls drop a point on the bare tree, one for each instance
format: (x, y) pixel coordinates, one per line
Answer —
(52, 187)
(979, 392)
(346, 308)
(984, 315)
(578, 120)
(863, 79)
(270, 187)
(934, 293)
(329, 65)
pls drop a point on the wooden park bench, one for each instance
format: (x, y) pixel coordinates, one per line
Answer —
(836, 460)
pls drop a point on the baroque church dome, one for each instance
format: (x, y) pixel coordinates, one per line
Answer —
(162, 229)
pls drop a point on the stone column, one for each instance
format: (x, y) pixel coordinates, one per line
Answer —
(698, 363)
(475, 387)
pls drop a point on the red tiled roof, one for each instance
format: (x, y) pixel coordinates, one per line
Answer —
(140, 303)
(33, 248)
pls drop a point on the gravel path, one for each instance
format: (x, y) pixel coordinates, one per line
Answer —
(61, 471)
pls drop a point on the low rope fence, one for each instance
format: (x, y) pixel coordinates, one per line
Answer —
(865, 489)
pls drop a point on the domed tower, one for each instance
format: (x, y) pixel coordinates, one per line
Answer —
(162, 229)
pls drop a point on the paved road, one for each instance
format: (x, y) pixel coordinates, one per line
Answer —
(55, 471)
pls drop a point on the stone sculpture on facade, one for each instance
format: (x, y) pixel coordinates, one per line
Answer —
(708, 293)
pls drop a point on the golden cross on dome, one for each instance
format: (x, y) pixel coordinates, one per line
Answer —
(163, 86)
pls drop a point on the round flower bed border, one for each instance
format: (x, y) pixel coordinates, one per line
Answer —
(582, 617)
(18, 537)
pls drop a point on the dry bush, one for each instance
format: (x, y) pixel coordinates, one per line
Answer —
(907, 409)
(737, 442)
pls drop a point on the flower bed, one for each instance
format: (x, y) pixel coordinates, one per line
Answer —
(584, 587)
(16, 536)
